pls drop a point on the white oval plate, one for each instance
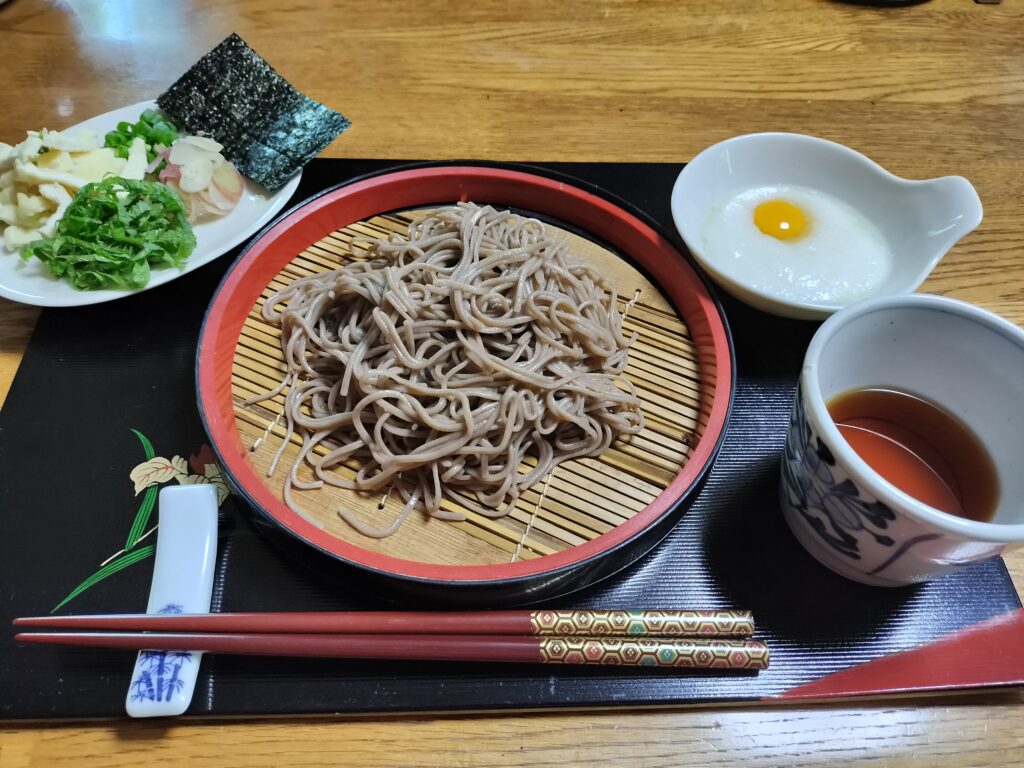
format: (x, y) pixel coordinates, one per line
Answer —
(30, 283)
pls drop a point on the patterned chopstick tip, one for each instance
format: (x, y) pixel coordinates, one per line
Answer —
(691, 653)
(664, 623)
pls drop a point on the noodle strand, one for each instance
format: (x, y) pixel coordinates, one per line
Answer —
(442, 360)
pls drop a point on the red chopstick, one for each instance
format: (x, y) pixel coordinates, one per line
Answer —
(694, 653)
(652, 623)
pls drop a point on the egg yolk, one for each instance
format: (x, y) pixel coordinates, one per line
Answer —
(779, 219)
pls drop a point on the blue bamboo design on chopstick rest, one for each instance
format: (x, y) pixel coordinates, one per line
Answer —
(159, 675)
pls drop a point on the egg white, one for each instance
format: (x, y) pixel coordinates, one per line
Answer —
(840, 257)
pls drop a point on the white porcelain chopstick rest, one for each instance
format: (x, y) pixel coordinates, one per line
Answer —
(186, 550)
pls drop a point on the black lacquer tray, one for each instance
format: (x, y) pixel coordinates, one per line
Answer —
(92, 375)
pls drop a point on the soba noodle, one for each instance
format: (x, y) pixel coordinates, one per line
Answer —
(463, 362)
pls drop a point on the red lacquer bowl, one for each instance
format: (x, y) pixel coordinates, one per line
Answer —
(586, 211)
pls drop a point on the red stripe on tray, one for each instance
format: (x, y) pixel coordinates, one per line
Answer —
(990, 653)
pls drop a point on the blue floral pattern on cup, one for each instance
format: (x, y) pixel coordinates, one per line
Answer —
(830, 502)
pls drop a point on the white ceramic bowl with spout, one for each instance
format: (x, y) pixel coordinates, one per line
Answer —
(919, 220)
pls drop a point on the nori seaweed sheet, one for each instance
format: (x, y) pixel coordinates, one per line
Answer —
(269, 130)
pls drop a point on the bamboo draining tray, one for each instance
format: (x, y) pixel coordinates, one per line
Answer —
(584, 498)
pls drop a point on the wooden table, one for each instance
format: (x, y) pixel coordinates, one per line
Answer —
(925, 90)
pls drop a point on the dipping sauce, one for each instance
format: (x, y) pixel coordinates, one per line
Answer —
(920, 448)
(797, 244)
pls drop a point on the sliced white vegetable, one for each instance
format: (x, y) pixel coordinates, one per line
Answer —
(213, 196)
(229, 181)
(55, 160)
(8, 213)
(82, 141)
(15, 237)
(135, 166)
(30, 206)
(27, 173)
(196, 176)
(204, 143)
(207, 183)
(184, 152)
(29, 148)
(57, 194)
(97, 164)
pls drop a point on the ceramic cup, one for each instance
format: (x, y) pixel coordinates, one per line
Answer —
(845, 514)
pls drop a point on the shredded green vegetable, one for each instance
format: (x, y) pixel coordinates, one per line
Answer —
(113, 232)
(152, 127)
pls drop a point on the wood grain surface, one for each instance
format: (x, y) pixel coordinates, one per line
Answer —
(926, 90)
